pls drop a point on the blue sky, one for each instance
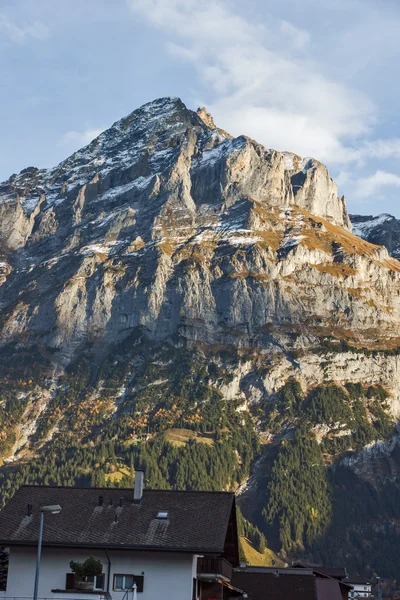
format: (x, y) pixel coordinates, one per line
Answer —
(316, 77)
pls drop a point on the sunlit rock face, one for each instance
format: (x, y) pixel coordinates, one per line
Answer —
(166, 222)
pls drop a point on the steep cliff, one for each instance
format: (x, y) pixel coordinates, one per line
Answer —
(228, 234)
(161, 288)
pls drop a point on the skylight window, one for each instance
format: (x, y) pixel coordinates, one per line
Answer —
(162, 514)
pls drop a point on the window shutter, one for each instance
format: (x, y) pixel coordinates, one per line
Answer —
(70, 581)
(194, 589)
(139, 580)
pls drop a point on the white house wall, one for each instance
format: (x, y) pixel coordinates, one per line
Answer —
(167, 576)
(361, 590)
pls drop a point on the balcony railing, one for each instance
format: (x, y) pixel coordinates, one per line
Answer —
(212, 568)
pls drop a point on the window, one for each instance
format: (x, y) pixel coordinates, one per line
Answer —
(125, 582)
(98, 581)
(162, 514)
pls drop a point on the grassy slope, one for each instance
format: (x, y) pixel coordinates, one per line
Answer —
(255, 559)
(180, 437)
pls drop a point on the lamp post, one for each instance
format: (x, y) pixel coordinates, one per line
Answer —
(53, 509)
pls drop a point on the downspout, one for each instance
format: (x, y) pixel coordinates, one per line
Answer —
(109, 571)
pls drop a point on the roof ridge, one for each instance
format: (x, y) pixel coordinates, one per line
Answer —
(130, 489)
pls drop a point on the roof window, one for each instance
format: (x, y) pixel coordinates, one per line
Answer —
(162, 514)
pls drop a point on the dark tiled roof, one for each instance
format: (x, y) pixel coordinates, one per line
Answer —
(336, 573)
(328, 589)
(196, 520)
(266, 586)
(357, 579)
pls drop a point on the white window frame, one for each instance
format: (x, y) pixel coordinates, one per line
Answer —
(95, 586)
(124, 576)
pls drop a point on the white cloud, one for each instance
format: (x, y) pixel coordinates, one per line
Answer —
(374, 184)
(381, 149)
(262, 79)
(22, 33)
(78, 139)
(299, 37)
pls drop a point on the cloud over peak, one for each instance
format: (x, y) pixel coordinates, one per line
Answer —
(374, 185)
(264, 78)
(75, 140)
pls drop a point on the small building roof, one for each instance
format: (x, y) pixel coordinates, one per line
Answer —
(202, 522)
(357, 579)
(260, 585)
(335, 572)
(289, 583)
(329, 589)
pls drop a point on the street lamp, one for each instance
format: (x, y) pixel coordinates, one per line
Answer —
(53, 509)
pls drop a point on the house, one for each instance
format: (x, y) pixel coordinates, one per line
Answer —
(360, 587)
(270, 583)
(172, 545)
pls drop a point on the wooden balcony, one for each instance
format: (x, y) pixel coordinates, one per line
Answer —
(212, 569)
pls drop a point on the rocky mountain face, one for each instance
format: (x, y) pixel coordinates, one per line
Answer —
(136, 207)
(383, 230)
(197, 304)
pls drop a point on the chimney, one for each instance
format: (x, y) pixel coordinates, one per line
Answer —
(138, 491)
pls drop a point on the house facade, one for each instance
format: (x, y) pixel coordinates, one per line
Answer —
(163, 575)
(169, 545)
(362, 587)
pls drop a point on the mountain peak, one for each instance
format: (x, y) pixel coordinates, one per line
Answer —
(206, 117)
(156, 109)
(168, 153)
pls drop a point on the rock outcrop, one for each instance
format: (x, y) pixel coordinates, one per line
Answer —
(383, 230)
